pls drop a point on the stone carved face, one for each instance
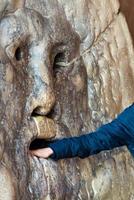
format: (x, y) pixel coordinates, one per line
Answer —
(38, 77)
(57, 64)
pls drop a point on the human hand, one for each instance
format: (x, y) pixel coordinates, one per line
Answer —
(42, 153)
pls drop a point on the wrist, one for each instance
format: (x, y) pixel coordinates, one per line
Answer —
(50, 151)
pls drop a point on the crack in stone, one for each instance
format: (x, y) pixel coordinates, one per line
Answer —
(88, 50)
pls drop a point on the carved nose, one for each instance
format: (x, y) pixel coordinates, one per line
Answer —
(44, 101)
(42, 97)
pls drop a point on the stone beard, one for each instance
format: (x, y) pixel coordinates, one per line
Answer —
(65, 69)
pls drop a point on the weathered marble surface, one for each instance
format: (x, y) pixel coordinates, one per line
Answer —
(72, 62)
(127, 7)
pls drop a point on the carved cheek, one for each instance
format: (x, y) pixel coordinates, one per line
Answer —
(9, 74)
(6, 185)
(78, 82)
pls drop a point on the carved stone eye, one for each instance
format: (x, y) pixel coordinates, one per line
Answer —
(59, 62)
(59, 57)
(19, 54)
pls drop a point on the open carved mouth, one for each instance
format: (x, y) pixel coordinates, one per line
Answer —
(47, 129)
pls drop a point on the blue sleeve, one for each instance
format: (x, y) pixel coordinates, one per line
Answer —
(115, 134)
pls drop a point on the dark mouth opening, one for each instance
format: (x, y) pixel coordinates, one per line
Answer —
(38, 144)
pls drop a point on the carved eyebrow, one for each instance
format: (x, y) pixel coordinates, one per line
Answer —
(12, 31)
(16, 41)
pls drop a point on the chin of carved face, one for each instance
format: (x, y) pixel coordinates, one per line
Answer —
(38, 72)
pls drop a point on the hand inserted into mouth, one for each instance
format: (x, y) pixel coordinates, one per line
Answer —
(42, 153)
(107, 137)
(46, 128)
(40, 148)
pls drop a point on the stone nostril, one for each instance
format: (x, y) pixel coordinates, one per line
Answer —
(37, 112)
(40, 111)
(44, 108)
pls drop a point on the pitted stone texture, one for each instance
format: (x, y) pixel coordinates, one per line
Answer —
(71, 62)
(6, 187)
(110, 72)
